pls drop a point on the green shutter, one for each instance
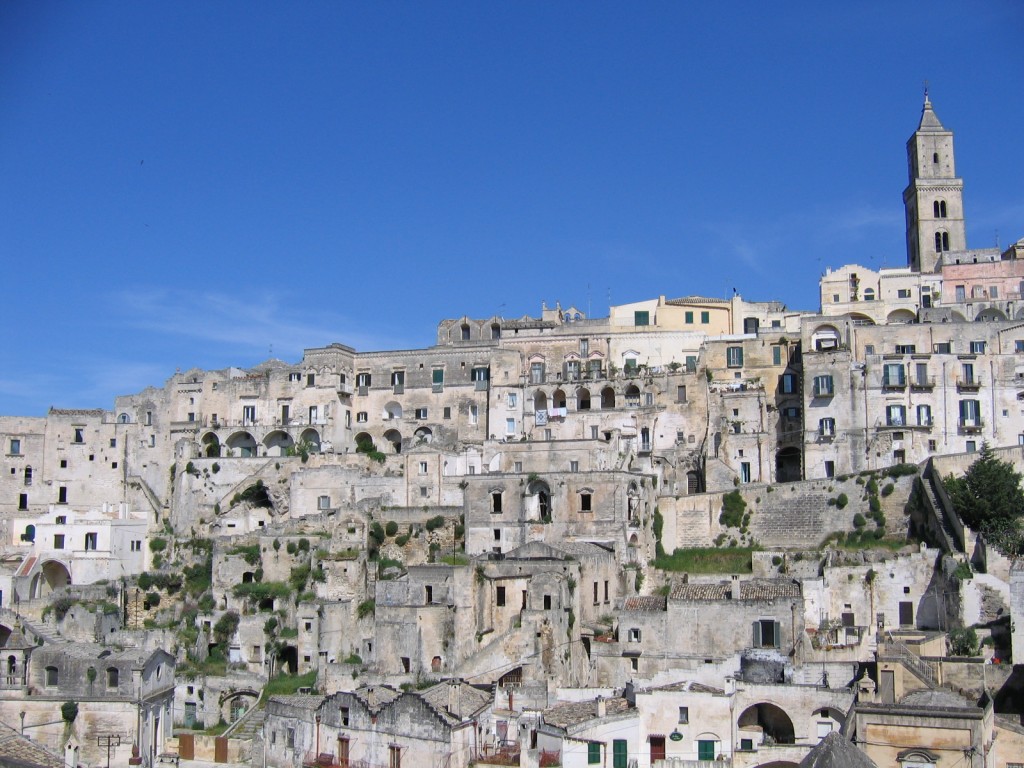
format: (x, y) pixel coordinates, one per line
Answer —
(619, 753)
(593, 753)
(439, 375)
(705, 750)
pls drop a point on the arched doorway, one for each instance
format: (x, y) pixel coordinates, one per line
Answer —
(787, 465)
(242, 445)
(771, 720)
(423, 435)
(288, 660)
(538, 501)
(211, 445)
(53, 575)
(540, 401)
(607, 398)
(583, 399)
(394, 437)
(392, 411)
(277, 443)
(311, 438)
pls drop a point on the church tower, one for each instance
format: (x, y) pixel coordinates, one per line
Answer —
(934, 197)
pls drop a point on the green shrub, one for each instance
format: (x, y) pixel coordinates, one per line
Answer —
(963, 642)
(377, 533)
(391, 528)
(402, 540)
(874, 504)
(215, 467)
(872, 487)
(353, 658)
(366, 608)
(157, 544)
(291, 548)
(859, 521)
(206, 603)
(434, 523)
(842, 500)
(226, 627)
(776, 560)
(733, 507)
(901, 470)
(153, 598)
(69, 711)
(887, 489)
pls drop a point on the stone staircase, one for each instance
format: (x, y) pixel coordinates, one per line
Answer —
(248, 727)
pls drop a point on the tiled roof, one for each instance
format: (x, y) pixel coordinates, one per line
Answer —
(759, 589)
(695, 300)
(376, 696)
(644, 603)
(566, 714)
(754, 589)
(472, 699)
(720, 591)
(16, 750)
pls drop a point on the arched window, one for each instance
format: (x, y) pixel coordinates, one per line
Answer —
(869, 294)
(51, 676)
(935, 157)
(940, 209)
(124, 418)
(941, 242)
(28, 475)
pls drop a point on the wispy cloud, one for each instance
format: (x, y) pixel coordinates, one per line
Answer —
(246, 320)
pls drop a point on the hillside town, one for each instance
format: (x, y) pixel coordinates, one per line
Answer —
(700, 531)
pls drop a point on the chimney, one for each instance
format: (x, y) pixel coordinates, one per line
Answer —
(455, 698)
(602, 708)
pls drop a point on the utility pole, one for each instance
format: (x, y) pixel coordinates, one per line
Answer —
(109, 740)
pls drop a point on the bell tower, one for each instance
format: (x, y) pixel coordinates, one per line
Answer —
(933, 199)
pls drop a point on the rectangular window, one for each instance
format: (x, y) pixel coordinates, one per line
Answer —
(510, 426)
(437, 379)
(734, 357)
(943, 348)
(248, 415)
(634, 635)
(684, 715)
(362, 417)
(15, 447)
(517, 466)
(903, 293)
(593, 369)
(474, 414)
(574, 466)
(310, 379)
(745, 472)
(691, 363)
(91, 542)
(79, 434)
(766, 633)
(787, 383)
(830, 469)
(496, 502)
(970, 413)
(512, 400)
(827, 427)
(585, 501)
(499, 596)
(823, 386)
(689, 318)
(62, 495)
(1018, 346)
(421, 413)
(584, 347)
(423, 467)
(323, 502)
(906, 349)
(924, 415)
(22, 501)
(641, 318)
(977, 347)
(680, 394)
(893, 375)
(58, 541)
(776, 355)
(572, 370)
(896, 415)
(447, 413)
(705, 318)
(536, 373)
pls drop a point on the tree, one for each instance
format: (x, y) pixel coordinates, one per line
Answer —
(963, 642)
(989, 495)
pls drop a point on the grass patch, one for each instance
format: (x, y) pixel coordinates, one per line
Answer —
(283, 685)
(455, 560)
(712, 560)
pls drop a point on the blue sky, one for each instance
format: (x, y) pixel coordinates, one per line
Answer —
(195, 183)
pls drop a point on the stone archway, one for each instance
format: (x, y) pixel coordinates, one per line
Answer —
(772, 720)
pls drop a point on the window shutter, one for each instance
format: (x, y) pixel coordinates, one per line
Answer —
(778, 636)
(757, 634)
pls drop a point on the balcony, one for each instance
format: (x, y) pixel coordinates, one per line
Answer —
(894, 384)
(970, 427)
(922, 385)
(971, 384)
